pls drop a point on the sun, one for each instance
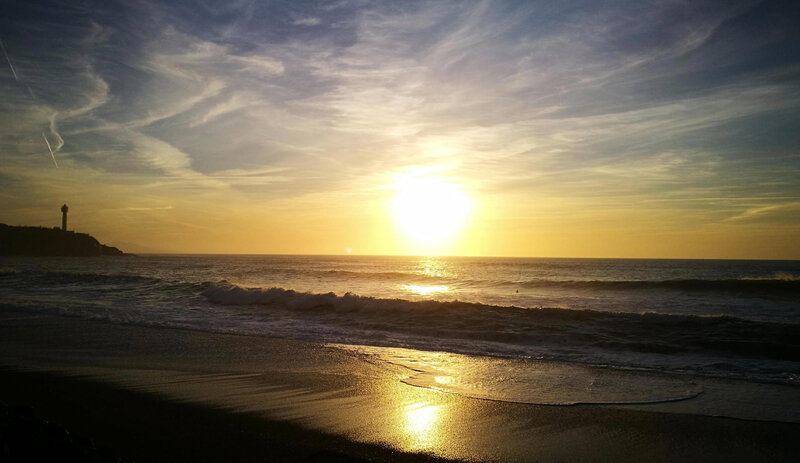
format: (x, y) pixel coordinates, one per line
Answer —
(429, 209)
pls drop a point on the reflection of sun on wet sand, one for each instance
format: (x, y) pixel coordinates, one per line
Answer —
(422, 422)
(357, 397)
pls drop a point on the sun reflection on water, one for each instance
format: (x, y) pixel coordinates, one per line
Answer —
(433, 267)
(426, 290)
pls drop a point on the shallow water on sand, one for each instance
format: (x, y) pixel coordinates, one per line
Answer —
(561, 384)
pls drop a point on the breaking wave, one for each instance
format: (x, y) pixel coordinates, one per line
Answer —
(546, 329)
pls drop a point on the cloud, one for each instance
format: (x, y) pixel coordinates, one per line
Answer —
(783, 212)
(157, 208)
(234, 103)
(307, 22)
(261, 64)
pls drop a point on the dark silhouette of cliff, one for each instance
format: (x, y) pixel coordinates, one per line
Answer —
(40, 241)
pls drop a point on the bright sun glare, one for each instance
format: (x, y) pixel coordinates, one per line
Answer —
(430, 210)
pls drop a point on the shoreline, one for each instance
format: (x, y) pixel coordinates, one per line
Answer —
(324, 399)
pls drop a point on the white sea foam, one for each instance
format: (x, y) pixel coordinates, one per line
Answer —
(536, 382)
(560, 384)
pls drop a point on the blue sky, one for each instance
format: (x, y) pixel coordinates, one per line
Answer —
(633, 123)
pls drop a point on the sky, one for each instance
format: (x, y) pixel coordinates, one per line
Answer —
(663, 129)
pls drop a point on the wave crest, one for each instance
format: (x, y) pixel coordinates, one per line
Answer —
(226, 293)
(548, 329)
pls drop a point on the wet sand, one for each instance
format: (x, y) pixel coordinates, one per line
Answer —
(154, 394)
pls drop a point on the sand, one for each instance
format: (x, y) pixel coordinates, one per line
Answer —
(155, 394)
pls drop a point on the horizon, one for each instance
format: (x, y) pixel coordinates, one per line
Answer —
(422, 256)
(454, 129)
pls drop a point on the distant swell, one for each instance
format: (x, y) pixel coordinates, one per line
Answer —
(781, 286)
(552, 330)
(737, 286)
(76, 278)
(375, 275)
(777, 287)
(94, 281)
(785, 286)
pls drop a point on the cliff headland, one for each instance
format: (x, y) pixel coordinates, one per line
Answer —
(41, 241)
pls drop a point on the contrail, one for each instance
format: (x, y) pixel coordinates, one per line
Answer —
(14, 71)
(52, 118)
(9, 61)
(51, 149)
(54, 132)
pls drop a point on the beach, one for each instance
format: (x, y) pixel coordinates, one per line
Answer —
(490, 231)
(158, 394)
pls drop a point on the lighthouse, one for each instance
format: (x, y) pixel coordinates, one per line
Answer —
(64, 210)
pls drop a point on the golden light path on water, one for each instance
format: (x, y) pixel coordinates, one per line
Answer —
(426, 290)
(430, 267)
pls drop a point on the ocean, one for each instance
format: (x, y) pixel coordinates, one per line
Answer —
(736, 320)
